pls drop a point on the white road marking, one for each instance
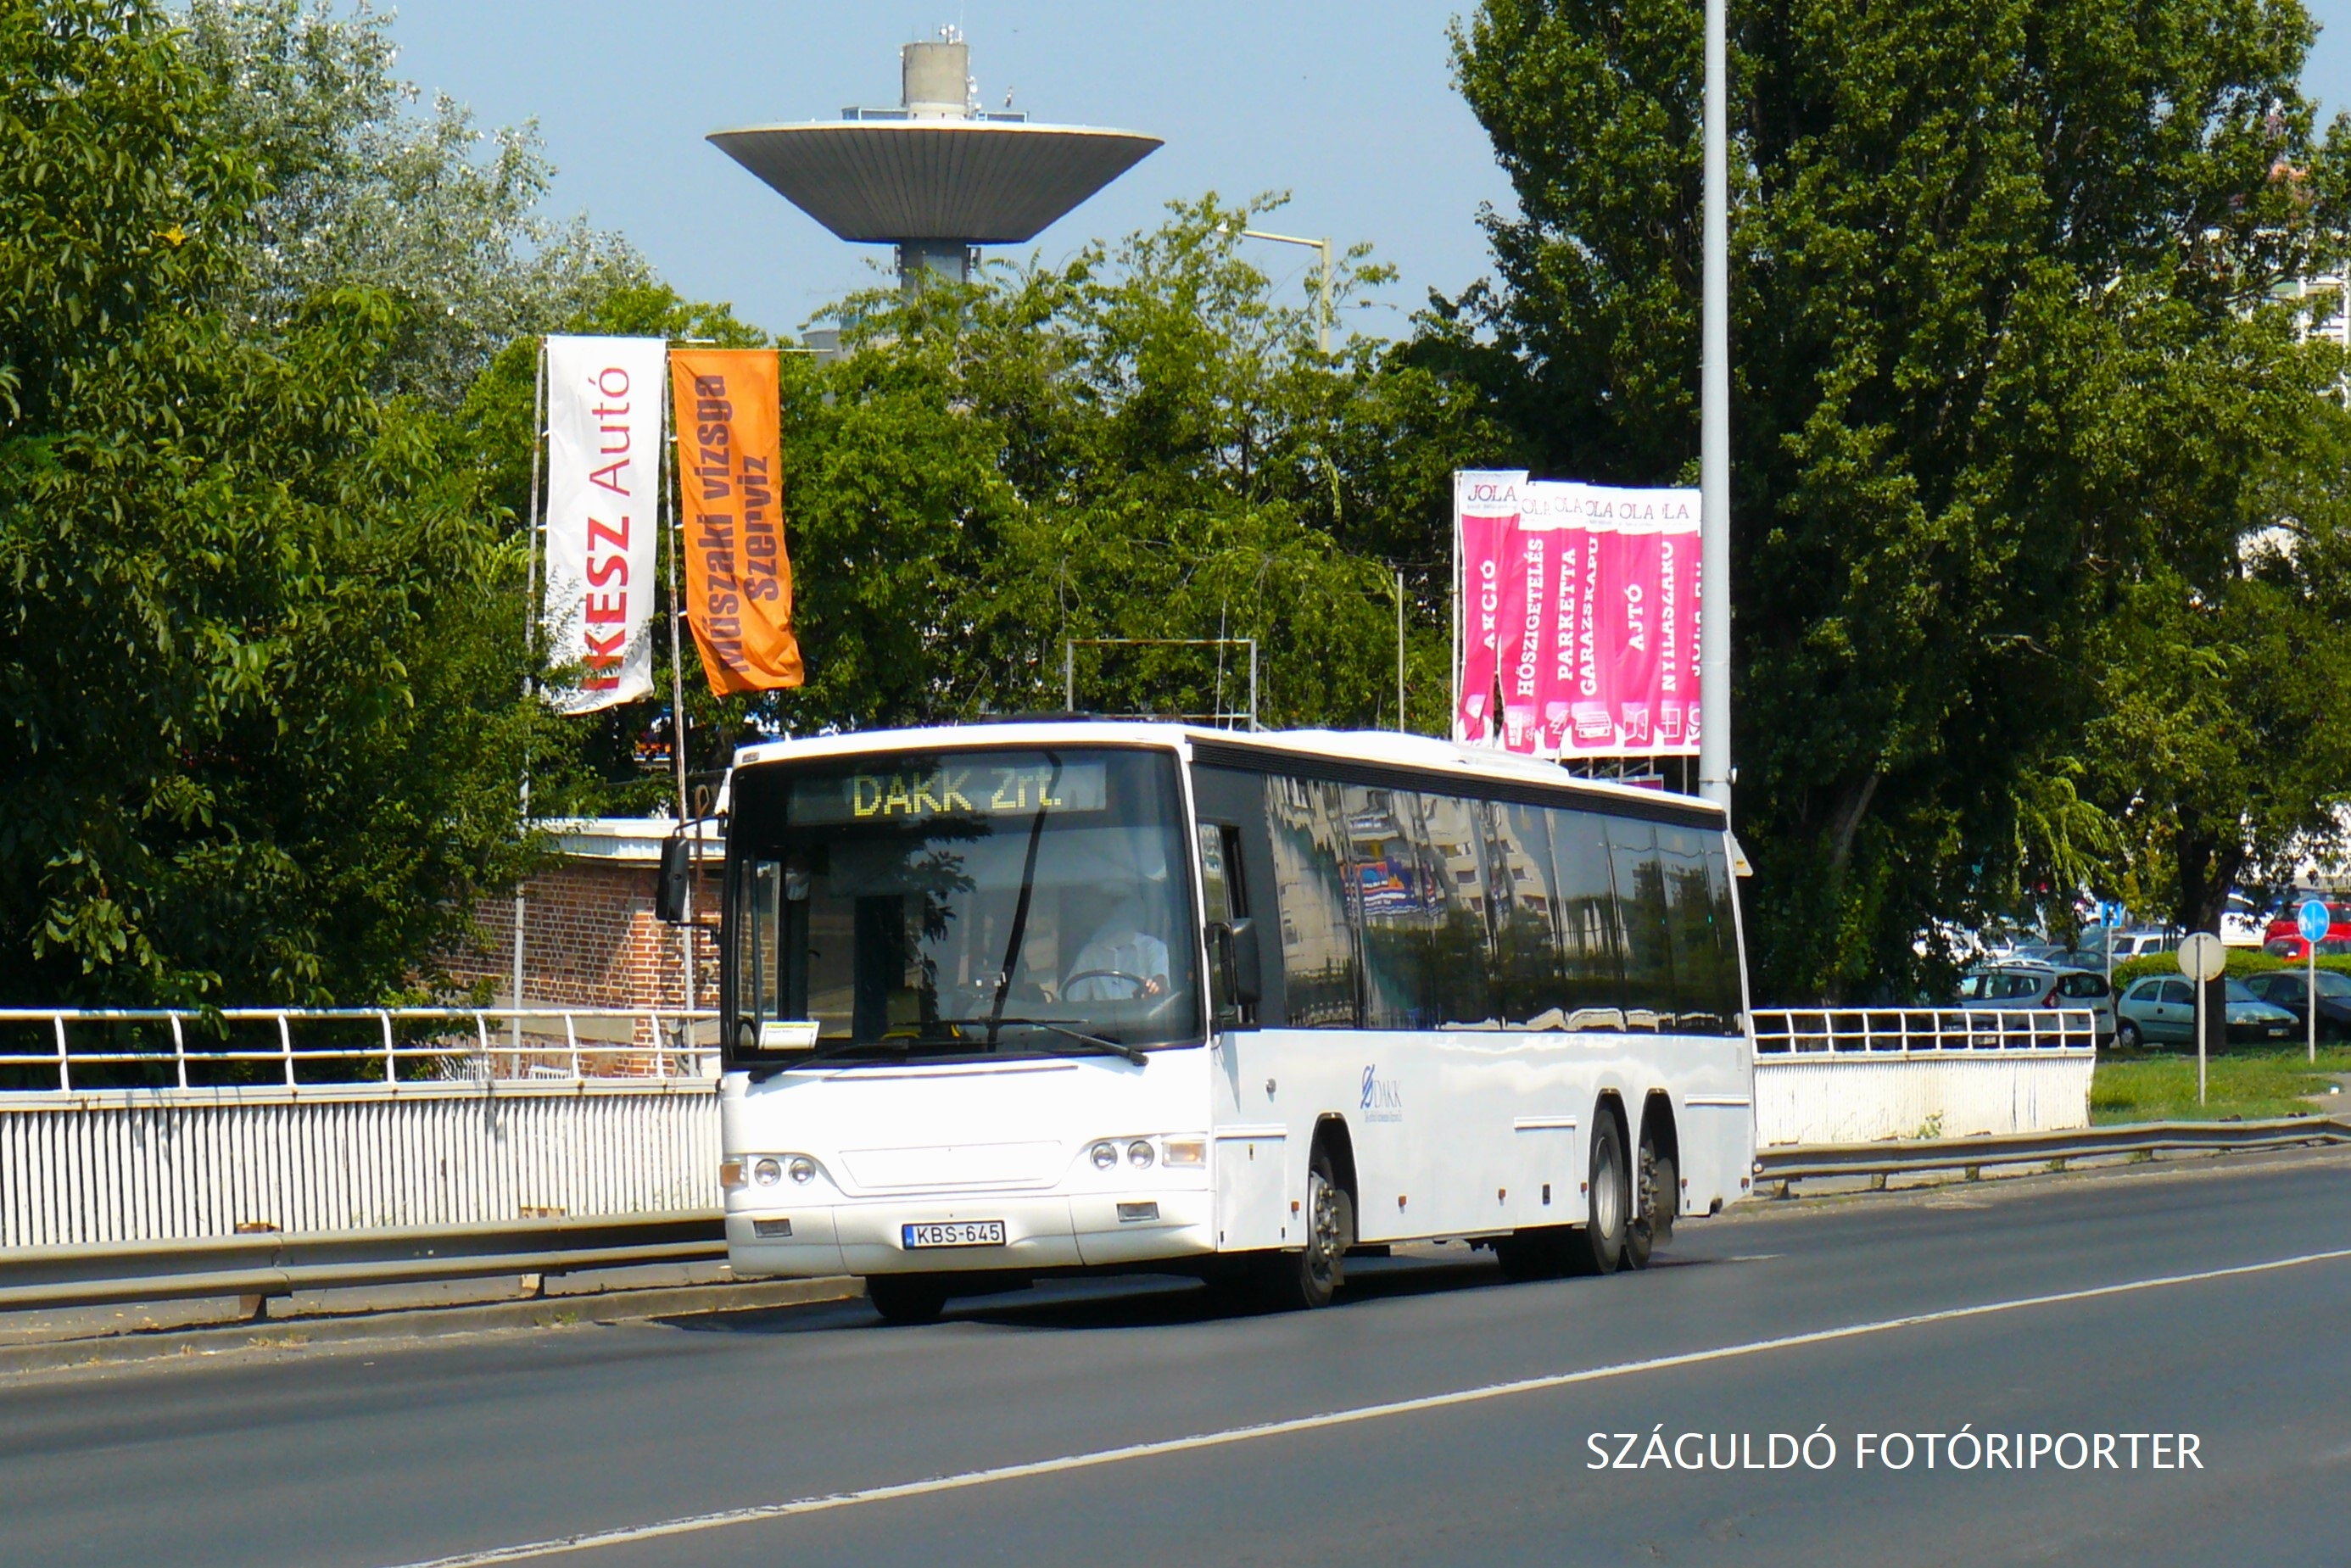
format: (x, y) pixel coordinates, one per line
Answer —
(693, 1524)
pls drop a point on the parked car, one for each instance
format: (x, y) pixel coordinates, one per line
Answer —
(2287, 926)
(2294, 950)
(2161, 1009)
(2242, 923)
(2007, 987)
(2290, 990)
(2090, 947)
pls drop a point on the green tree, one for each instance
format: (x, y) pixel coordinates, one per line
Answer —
(360, 190)
(1145, 442)
(2219, 738)
(1949, 231)
(258, 661)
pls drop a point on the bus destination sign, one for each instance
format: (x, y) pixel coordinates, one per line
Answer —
(965, 787)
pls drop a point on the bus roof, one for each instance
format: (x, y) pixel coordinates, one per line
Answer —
(1373, 747)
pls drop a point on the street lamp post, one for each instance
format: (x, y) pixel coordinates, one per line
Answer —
(1322, 244)
(1714, 770)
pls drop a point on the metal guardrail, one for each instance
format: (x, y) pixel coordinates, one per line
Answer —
(267, 1264)
(1803, 1163)
(1873, 1031)
(581, 1046)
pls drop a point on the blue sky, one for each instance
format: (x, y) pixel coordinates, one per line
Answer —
(1347, 106)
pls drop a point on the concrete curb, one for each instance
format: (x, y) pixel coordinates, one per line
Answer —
(424, 1323)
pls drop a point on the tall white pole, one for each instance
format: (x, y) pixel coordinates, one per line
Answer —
(673, 530)
(1714, 432)
(530, 644)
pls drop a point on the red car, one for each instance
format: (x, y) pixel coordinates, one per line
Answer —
(2284, 937)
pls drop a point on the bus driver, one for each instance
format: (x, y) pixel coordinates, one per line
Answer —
(1121, 962)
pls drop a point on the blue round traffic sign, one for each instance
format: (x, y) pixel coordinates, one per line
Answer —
(2313, 919)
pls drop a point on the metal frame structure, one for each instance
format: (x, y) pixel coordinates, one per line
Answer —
(555, 1055)
(1222, 720)
(1876, 1032)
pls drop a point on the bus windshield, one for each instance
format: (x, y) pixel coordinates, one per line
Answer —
(961, 903)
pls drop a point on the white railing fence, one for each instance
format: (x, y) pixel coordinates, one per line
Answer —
(294, 1048)
(1850, 1075)
(1799, 1032)
(153, 1126)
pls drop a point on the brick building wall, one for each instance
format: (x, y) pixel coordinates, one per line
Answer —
(589, 935)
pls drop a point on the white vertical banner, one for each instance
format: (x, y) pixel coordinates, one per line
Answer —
(603, 493)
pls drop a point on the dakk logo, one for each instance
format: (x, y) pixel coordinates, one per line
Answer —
(1383, 1097)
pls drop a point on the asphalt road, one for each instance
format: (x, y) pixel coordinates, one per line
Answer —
(2211, 1302)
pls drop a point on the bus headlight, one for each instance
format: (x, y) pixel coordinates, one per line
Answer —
(1104, 1155)
(1139, 1154)
(802, 1169)
(1192, 1152)
(767, 1171)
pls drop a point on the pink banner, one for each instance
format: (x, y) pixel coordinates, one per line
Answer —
(1557, 507)
(1485, 522)
(1628, 626)
(1676, 636)
(1524, 646)
(1582, 602)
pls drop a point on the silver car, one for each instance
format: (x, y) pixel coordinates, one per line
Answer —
(2013, 985)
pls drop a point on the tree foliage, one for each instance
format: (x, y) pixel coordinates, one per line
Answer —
(258, 661)
(360, 190)
(1141, 443)
(1996, 360)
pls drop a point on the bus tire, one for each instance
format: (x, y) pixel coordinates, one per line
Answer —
(903, 1299)
(1308, 1278)
(1653, 1216)
(1599, 1247)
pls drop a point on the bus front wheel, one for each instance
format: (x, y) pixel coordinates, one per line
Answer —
(1599, 1247)
(1311, 1276)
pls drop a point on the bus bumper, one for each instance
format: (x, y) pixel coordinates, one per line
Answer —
(1097, 1229)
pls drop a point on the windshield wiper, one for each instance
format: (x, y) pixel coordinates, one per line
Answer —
(1099, 1043)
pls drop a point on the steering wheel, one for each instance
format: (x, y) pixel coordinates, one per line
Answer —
(1140, 987)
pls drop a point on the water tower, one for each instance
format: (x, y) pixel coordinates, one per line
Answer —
(935, 177)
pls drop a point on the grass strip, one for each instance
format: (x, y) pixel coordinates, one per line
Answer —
(2244, 1083)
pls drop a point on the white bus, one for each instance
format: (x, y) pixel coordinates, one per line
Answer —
(1013, 1000)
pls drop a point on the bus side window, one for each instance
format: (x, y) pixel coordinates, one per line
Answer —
(1530, 965)
(1224, 898)
(1455, 833)
(1590, 931)
(1310, 887)
(1394, 877)
(1235, 801)
(1704, 947)
(1649, 999)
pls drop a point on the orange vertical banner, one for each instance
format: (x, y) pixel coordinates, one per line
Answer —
(739, 581)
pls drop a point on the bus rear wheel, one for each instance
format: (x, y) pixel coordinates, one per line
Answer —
(1653, 1212)
(1599, 1247)
(906, 1299)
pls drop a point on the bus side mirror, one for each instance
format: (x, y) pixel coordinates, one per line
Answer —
(669, 888)
(1244, 980)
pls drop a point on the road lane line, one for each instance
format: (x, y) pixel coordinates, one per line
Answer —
(694, 1524)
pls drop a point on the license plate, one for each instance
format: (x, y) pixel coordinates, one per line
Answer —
(955, 1233)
